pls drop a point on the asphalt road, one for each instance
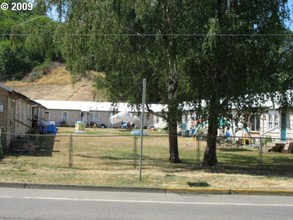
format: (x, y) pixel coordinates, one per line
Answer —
(40, 204)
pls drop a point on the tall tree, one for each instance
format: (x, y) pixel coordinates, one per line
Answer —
(220, 51)
(26, 40)
(131, 41)
(237, 59)
(13, 62)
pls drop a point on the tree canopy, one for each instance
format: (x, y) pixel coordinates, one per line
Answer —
(219, 51)
(225, 52)
(240, 57)
(26, 40)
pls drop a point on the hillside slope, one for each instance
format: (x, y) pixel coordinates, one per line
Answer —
(56, 84)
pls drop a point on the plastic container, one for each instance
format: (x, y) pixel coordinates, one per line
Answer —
(79, 126)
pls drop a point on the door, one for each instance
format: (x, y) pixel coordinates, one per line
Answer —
(283, 126)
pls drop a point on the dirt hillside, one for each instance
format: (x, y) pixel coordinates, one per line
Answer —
(56, 84)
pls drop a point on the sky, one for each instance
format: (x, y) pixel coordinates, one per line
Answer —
(53, 14)
(290, 24)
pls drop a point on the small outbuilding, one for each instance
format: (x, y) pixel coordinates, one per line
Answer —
(18, 113)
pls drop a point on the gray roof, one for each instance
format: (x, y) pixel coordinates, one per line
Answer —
(8, 89)
(94, 106)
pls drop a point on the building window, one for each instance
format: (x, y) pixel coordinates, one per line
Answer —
(1, 107)
(273, 120)
(94, 116)
(35, 113)
(64, 116)
(47, 115)
(254, 122)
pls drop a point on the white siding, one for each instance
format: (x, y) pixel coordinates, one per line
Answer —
(290, 126)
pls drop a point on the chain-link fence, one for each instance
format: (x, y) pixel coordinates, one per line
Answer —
(29, 144)
(123, 152)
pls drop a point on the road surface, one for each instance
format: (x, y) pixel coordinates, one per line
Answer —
(40, 204)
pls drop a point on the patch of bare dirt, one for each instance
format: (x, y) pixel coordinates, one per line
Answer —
(81, 91)
(57, 85)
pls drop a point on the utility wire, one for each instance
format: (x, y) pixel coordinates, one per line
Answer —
(155, 35)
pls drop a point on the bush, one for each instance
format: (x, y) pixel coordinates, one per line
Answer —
(266, 139)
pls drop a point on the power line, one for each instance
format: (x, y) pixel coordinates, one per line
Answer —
(157, 35)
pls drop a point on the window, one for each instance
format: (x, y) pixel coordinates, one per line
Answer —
(64, 116)
(35, 112)
(46, 116)
(254, 122)
(94, 116)
(273, 120)
(1, 106)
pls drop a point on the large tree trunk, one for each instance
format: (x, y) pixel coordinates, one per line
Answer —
(210, 156)
(173, 139)
(172, 116)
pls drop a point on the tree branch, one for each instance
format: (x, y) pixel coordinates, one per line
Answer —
(162, 115)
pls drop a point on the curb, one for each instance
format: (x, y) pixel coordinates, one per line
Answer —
(198, 191)
(215, 191)
(79, 187)
(262, 192)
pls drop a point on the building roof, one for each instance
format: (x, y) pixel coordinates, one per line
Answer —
(12, 91)
(86, 106)
(8, 89)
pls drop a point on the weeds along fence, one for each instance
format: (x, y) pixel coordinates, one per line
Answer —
(108, 152)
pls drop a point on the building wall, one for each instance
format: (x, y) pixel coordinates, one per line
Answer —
(272, 126)
(15, 114)
(100, 117)
(269, 124)
(57, 116)
(75, 115)
(290, 125)
(149, 119)
(23, 116)
(3, 113)
(159, 122)
(104, 118)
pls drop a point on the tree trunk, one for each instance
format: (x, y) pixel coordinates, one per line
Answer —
(172, 116)
(173, 139)
(210, 156)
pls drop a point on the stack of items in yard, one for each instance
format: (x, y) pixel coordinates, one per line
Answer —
(288, 148)
(26, 148)
(23, 146)
(282, 147)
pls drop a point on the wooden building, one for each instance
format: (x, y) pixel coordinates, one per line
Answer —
(18, 113)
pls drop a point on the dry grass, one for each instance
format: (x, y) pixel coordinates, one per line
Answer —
(107, 160)
(58, 76)
(56, 84)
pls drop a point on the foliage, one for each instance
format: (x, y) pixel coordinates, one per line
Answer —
(266, 140)
(113, 37)
(13, 63)
(237, 60)
(189, 51)
(27, 39)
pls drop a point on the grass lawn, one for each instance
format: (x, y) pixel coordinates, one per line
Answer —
(108, 157)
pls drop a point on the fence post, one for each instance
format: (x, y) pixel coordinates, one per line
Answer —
(261, 153)
(70, 151)
(1, 148)
(1, 145)
(198, 152)
(134, 151)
